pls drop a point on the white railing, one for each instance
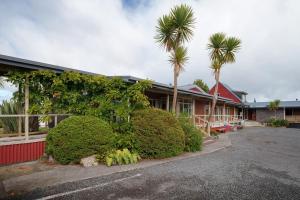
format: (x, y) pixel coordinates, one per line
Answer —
(201, 121)
(14, 127)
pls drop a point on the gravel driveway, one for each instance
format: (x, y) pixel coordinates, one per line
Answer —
(262, 163)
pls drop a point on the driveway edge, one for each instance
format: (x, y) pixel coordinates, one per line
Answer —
(73, 173)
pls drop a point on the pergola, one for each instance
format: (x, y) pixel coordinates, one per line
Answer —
(8, 63)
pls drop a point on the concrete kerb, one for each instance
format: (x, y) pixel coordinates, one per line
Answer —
(73, 173)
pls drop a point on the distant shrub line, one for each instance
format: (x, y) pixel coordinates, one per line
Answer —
(277, 122)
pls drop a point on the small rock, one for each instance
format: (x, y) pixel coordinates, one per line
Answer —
(50, 159)
(89, 161)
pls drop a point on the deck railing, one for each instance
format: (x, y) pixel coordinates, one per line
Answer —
(13, 126)
(293, 118)
(201, 121)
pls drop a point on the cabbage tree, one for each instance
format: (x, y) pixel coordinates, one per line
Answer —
(222, 50)
(273, 106)
(173, 30)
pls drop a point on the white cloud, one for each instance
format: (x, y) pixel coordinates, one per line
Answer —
(107, 38)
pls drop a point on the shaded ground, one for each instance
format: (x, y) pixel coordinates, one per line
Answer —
(263, 163)
(23, 169)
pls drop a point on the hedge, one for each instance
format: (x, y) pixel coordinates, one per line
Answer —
(79, 136)
(158, 133)
(193, 136)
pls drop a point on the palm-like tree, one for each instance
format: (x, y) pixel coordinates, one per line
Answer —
(177, 58)
(222, 50)
(273, 106)
(1, 82)
(173, 31)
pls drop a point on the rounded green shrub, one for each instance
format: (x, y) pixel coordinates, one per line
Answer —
(193, 136)
(158, 133)
(277, 122)
(79, 136)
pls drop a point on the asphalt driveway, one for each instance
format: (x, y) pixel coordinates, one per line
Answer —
(262, 163)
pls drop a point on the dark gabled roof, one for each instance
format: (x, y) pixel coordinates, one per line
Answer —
(231, 90)
(283, 104)
(9, 63)
(190, 87)
(240, 92)
(170, 89)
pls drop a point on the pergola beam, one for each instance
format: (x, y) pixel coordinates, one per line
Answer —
(26, 91)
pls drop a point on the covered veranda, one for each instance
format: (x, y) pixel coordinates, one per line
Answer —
(26, 140)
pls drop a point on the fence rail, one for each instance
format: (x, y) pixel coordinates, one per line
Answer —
(13, 127)
(293, 118)
(201, 121)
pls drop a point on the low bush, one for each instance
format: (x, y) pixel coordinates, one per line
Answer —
(79, 136)
(277, 122)
(121, 157)
(158, 133)
(193, 136)
(126, 141)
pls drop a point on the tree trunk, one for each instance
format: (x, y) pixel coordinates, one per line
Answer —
(215, 98)
(174, 103)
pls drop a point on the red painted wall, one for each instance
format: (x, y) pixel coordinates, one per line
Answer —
(15, 153)
(199, 107)
(224, 92)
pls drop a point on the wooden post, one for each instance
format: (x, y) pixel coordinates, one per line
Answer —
(55, 120)
(193, 115)
(26, 108)
(208, 122)
(19, 112)
(284, 113)
(20, 126)
(224, 113)
(168, 102)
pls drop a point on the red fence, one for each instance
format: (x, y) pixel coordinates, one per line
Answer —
(21, 151)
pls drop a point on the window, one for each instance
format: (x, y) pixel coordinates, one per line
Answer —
(218, 112)
(289, 111)
(185, 106)
(158, 103)
(227, 111)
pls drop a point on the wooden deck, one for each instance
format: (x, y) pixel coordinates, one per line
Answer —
(293, 118)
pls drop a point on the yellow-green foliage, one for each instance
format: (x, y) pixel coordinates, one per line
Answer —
(121, 157)
(158, 133)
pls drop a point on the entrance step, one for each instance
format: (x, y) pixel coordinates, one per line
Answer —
(250, 123)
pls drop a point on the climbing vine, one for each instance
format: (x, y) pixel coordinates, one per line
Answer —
(111, 99)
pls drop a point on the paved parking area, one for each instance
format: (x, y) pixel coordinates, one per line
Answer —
(262, 163)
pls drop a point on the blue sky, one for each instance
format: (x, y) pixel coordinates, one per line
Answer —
(115, 37)
(132, 3)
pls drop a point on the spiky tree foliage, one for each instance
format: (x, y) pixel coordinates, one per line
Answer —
(173, 30)
(1, 82)
(10, 125)
(222, 50)
(273, 106)
(200, 83)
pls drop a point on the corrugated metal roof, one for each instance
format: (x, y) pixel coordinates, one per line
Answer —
(8, 63)
(283, 104)
(232, 91)
(190, 86)
(181, 91)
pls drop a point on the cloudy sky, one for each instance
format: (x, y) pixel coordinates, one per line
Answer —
(115, 37)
